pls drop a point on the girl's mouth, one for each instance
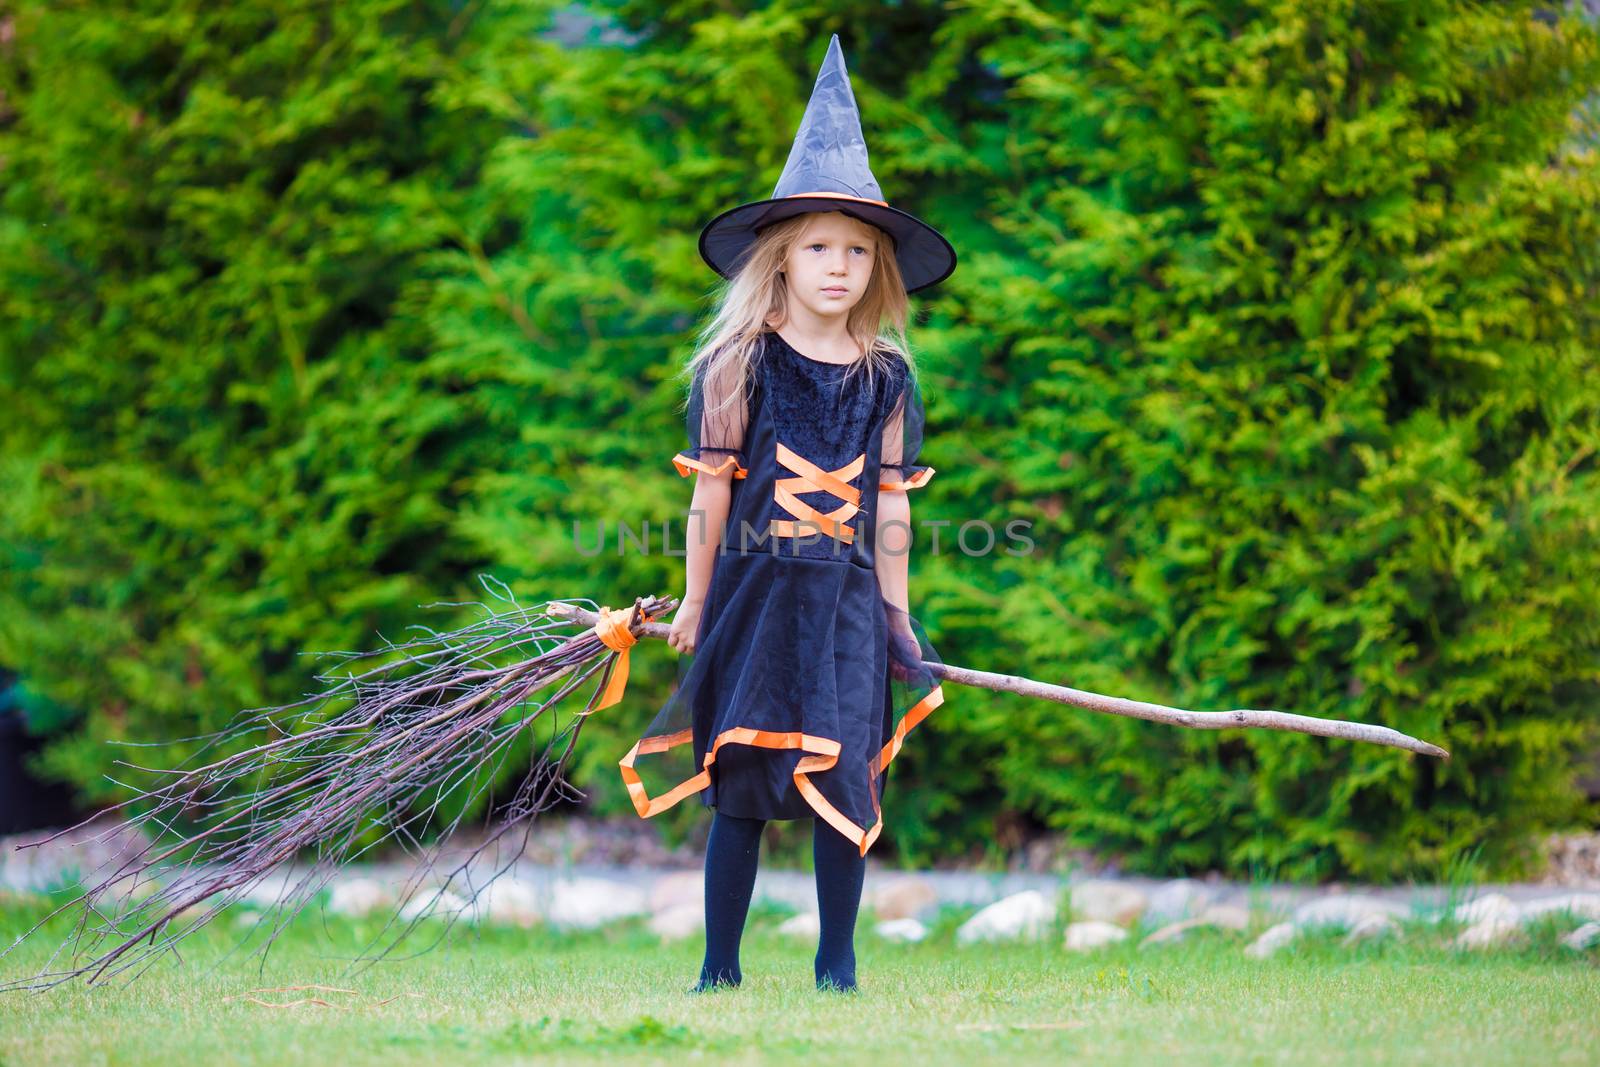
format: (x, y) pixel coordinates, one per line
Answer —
(836, 291)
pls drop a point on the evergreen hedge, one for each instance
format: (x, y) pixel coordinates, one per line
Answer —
(228, 437)
(1301, 340)
(1276, 322)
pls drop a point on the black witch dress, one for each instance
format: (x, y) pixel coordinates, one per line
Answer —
(804, 680)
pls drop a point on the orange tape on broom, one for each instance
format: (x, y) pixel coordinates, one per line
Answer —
(613, 631)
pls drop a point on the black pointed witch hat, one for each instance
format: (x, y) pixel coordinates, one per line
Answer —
(827, 171)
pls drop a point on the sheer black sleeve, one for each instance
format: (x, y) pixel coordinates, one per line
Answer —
(717, 415)
(902, 440)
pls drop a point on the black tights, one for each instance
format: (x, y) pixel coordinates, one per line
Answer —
(731, 856)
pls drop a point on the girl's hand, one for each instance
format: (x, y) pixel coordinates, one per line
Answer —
(905, 651)
(685, 621)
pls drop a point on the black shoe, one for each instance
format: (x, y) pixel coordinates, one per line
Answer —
(832, 985)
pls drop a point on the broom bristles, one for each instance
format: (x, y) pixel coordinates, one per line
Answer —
(407, 744)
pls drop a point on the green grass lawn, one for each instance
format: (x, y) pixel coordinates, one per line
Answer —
(507, 996)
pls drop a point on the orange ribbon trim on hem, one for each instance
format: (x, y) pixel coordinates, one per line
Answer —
(822, 754)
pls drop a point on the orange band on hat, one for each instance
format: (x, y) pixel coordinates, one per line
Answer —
(836, 196)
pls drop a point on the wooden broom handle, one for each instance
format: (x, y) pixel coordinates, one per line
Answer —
(1242, 718)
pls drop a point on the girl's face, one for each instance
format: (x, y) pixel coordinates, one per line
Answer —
(829, 266)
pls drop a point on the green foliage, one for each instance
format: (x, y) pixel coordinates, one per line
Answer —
(1277, 322)
(228, 440)
(1302, 365)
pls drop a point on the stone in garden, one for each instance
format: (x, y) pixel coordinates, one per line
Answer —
(1345, 911)
(1371, 928)
(125, 891)
(1490, 933)
(1574, 859)
(679, 887)
(1088, 936)
(73, 856)
(1021, 915)
(271, 890)
(907, 929)
(1493, 906)
(1217, 917)
(357, 898)
(507, 901)
(1577, 905)
(678, 921)
(807, 924)
(903, 898)
(145, 888)
(433, 905)
(1226, 917)
(1584, 937)
(584, 903)
(1099, 900)
(1181, 898)
(1272, 940)
(194, 913)
(1173, 932)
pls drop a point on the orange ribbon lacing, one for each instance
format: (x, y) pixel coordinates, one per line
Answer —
(812, 478)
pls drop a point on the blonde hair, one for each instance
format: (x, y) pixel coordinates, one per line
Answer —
(758, 294)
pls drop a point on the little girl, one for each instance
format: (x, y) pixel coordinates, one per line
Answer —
(802, 669)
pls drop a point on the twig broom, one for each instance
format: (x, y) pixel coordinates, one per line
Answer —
(415, 734)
